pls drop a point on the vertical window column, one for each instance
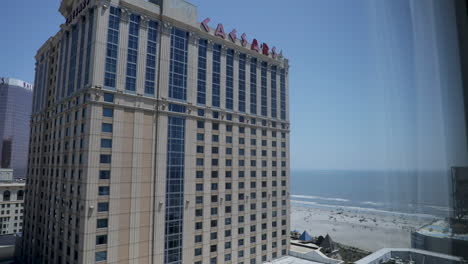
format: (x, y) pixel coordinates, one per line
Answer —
(132, 53)
(274, 112)
(253, 86)
(216, 78)
(72, 68)
(263, 98)
(242, 60)
(89, 45)
(201, 85)
(112, 48)
(150, 81)
(82, 50)
(230, 79)
(283, 94)
(174, 191)
(178, 65)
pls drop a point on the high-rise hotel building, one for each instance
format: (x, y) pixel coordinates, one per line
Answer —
(156, 139)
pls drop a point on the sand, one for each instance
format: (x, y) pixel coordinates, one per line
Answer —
(369, 230)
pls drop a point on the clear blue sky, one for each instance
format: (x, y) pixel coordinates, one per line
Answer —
(366, 92)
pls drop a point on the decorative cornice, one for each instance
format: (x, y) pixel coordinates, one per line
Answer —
(144, 20)
(193, 38)
(125, 15)
(166, 28)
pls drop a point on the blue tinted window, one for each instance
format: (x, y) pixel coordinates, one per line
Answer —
(216, 78)
(108, 97)
(177, 108)
(105, 159)
(151, 51)
(253, 86)
(103, 207)
(112, 47)
(283, 94)
(101, 256)
(107, 127)
(201, 85)
(174, 190)
(104, 174)
(230, 79)
(178, 65)
(242, 83)
(274, 112)
(72, 69)
(132, 53)
(106, 143)
(82, 49)
(89, 46)
(104, 190)
(108, 112)
(263, 97)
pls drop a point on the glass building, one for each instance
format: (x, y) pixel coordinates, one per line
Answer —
(15, 113)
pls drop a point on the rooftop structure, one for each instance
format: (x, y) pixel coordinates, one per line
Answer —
(408, 255)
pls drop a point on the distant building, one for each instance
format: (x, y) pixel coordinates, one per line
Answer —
(6, 175)
(11, 207)
(15, 113)
(408, 256)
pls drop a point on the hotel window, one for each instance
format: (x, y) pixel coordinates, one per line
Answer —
(132, 52)
(174, 189)
(230, 79)
(107, 128)
(72, 68)
(107, 112)
(82, 49)
(150, 78)
(283, 94)
(104, 174)
(253, 86)
(101, 256)
(108, 97)
(105, 159)
(216, 78)
(241, 83)
(101, 240)
(263, 97)
(112, 48)
(106, 143)
(89, 45)
(201, 84)
(103, 207)
(103, 190)
(178, 65)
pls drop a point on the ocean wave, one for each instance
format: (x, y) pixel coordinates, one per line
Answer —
(319, 198)
(372, 203)
(419, 215)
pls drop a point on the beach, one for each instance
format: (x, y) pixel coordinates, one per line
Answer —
(365, 229)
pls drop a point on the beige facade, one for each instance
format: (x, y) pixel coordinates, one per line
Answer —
(11, 207)
(121, 173)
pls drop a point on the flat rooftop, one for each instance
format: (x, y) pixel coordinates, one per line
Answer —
(291, 260)
(440, 229)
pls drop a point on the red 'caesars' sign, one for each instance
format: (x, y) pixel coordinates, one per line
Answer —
(264, 48)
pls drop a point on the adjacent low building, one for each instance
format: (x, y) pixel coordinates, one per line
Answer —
(408, 256)
(11, 207)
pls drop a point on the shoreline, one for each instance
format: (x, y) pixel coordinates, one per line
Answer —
(369, 230)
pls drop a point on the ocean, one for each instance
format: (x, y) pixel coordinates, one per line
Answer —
(413, 192)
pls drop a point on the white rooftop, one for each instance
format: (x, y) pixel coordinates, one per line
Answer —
(291, 260)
